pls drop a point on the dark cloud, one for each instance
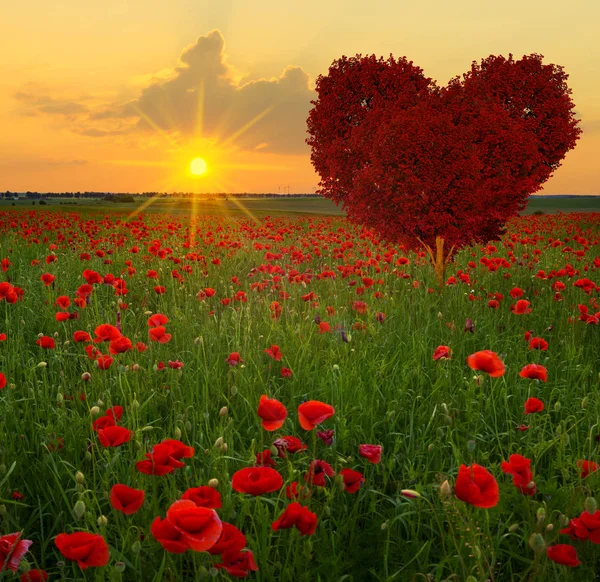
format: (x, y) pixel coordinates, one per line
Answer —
(34, 104)
(202, 95)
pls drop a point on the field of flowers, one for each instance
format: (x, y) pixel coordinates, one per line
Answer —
(291, 399)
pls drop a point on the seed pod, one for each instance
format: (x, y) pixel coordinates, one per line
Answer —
(80, 478)
(537, 543)
(590, 505)
(79, 509)
(102, 521)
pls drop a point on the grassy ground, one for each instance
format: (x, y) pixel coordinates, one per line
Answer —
(280, 206)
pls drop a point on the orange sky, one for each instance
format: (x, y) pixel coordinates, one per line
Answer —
(121, 96)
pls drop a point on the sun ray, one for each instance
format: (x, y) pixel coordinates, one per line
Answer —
(143, 206)
(200, 111)
(155, 126)
(231, 139)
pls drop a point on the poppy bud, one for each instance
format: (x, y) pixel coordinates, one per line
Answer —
(274, 451)
(135, 405)
(99, 402)
(79, 478)
(563, 520)
(79, 509)
(445, 490)
(471, 579)
(147, 428)
(537, 543)
(410, 493)
(147, 312)
(95, 410)
(550, 528)
(119, 567)
(584, 402)
(188, 426)
(214, 483)
(177, 433)
(430, 447)
(135, 367)
(86, 376)
(55, 334)
(590, 505)
(447, 420)
(336, 368)
(136, 547)
(59, 397)
(440, 316)
(384, 526)
(513, 528)
(88, 456)
(42, 365)
(219, 443)
(233, 390)
(66, 344)
(197, 341)
(223, 411)
(556, 406)
(102, 521)
(541, 514)
(224, 448)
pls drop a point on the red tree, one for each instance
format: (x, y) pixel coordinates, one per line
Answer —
(439, 167)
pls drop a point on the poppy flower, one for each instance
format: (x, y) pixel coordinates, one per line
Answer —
(34, 576)
(537, 343)
(519, 467)
(295, 515)
(170, 538)
(104, 361)
(120, 345)
(103, 422)
(286, 372)
(12, 550)
(159, 334)
(477, 486)
(115, 412)
(317, 472)
(371, 452)
(584, 527)
(165, 457)
(92, 277)
(486, 361)
(125, 499)
(87, 549)
(47, 279)
(114, 436)
(62, 316)
(237, 563)
(586, 468)
(326, 436)
(272, 412)
(352, 480)
(2, 380)
(533, 405)
(563, 554)
(200, 527)
(275, 352)
(63, 301)
(313, 412)
(293, 490)
(289, 444)
(106, 333)
(204, 496)
(521, 307)
(264, 459)
(442, 353)
(234, 359)
(534, 372)
(46, 342)
(516, 292)
(256, 480)
(81, 336)
(231, 539)
(324, 327)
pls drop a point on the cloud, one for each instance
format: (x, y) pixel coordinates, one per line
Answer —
(203, 97)
(34, 104)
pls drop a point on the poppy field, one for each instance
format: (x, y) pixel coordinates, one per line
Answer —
(293, 399)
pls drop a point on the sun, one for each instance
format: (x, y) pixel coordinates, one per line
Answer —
(198, 167)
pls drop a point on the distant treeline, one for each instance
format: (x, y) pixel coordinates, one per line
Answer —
(128, 197)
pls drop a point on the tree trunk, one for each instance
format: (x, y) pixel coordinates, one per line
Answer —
(438, 260)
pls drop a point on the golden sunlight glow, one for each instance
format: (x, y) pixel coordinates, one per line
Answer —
(198, 167)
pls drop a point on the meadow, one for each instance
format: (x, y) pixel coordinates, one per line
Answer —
(228, 374)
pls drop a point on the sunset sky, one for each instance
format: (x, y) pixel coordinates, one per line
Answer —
(122, 95)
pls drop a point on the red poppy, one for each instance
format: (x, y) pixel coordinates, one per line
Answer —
(120, 345)
(486, 361)
(293, 490)
(159, 334)
(295, 515)
(175, 365)
(125, 499)
(234, 359)
(534, 372)
(12, 550)
(352, 480)
(47, 279)
(159, 289)
(493, 304)
(272, 412)
(106, 333)
(587, 467)
(92, 277)
(165, 458)
(204, 496)
(231, 539)
(286, 372)
(34, 576)
(533, 405)
(46, 342)
(274, 352)
(114, 436)
(170, 538)
(85, 548)
(584, 527)
(324, 327)
(2, 380)
(264, 459)
(237, 563)
(519, 467)
(371, 452)
(63, 301)
(62, 316)
(103, 422)
(515, 292)
(256, 480)
(521, 307)
(537, 343)
(199, 527)
(317, 472)
(326, 436)
(81, 336)
(313, 412)
(477, 486)
(442, 353)
(289, 444)
(104, 361)
(563, 554)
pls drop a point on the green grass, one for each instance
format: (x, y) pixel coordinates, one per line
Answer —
(430, 417)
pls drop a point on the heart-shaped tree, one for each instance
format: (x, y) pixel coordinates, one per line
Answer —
(438, 167)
